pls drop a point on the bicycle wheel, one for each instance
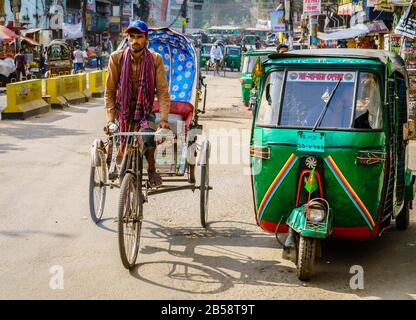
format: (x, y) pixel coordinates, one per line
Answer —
(97, 189)
(204, 193)
(130, 218)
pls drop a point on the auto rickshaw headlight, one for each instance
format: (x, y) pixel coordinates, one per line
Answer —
(316, 215)
(241, 80)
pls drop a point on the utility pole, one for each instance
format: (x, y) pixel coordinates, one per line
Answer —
(184, 12)
(84, 23)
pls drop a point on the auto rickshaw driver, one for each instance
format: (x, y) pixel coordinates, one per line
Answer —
(338, 113)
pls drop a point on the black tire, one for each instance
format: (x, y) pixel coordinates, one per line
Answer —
(204, 193)
(403, 219)
(306, 258)
(97, 189)
(130, 218)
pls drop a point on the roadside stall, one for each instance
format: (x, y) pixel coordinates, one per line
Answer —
(7, 52)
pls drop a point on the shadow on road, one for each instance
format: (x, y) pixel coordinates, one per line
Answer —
(213, 268)
(30, 131)
(24, 233)
(5, 147)
(388, 262)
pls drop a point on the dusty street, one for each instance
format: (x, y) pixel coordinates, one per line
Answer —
(45, 225)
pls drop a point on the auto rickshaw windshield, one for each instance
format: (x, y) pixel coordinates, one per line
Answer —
(306, 94)
(233, 51)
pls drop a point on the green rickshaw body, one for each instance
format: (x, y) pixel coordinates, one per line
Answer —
(363, 168)
(249, 60)
(233, 57)
(205, 54)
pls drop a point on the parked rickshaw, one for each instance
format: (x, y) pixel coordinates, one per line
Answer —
(329, 149)
(232, 58)
(249, 60)
(58, 58)
(176, 158)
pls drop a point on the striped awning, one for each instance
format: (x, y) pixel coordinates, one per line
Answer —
(6, 34)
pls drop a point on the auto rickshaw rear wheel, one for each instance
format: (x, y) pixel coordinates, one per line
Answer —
(306, 257)
(402, 220)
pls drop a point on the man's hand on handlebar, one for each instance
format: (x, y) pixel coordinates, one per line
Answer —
(164, 124)
(111, 127)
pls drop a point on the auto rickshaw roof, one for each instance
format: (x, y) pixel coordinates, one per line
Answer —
(259, 52)
(396, 62)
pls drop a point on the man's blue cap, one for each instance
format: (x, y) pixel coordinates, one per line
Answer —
(138, 25)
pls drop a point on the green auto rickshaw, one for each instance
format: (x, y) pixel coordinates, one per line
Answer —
(205, 54)
(249, 60)
(233, 57)
(329, 149)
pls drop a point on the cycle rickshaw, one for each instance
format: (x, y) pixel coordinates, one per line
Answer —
(175, 162)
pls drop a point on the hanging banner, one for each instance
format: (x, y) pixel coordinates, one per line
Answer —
(277, 18)
(373, 3)
(400, 3)
(377, 26)
(345, 9)
(72, 31)
(91, 5)
(407, 25)
(311, 7)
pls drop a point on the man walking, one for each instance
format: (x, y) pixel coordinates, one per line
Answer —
(99, 54)
(20, 63)
(133, 75)
(78, 60)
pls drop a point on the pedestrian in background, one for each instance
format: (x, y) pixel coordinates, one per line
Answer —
(20, 63)
(78, 59)
(99, 55)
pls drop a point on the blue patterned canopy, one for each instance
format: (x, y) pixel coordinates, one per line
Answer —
(180, 59)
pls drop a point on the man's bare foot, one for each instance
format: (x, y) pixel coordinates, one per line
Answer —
(155, 180)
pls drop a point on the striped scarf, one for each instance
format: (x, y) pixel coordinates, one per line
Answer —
(145, 92)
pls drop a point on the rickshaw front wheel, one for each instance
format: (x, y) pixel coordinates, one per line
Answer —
(402, 220)
(97, 188)
(204, 192)
(130, 218)
(306, 258)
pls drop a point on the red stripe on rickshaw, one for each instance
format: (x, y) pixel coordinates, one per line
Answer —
(275, 184)
(350, 191)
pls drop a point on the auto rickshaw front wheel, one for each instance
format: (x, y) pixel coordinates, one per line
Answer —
(306, 257)
(402, 220)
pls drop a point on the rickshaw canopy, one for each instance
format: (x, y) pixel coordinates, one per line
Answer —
(180, 60)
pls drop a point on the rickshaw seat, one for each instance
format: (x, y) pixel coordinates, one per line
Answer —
(179, 111)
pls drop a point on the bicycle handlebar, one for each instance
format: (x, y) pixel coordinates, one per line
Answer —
(133, 134)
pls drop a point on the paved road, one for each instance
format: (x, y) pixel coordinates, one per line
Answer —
(45, 226)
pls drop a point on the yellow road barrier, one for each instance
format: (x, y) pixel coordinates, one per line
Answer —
(24, 99)
(71, 88)
(54, 89)
(104, 78)
(83, 86)
(96, 84)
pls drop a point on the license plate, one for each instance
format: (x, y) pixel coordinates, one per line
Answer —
(310, 141)
(247, 86)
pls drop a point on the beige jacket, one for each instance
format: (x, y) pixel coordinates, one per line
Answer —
(113, 77)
